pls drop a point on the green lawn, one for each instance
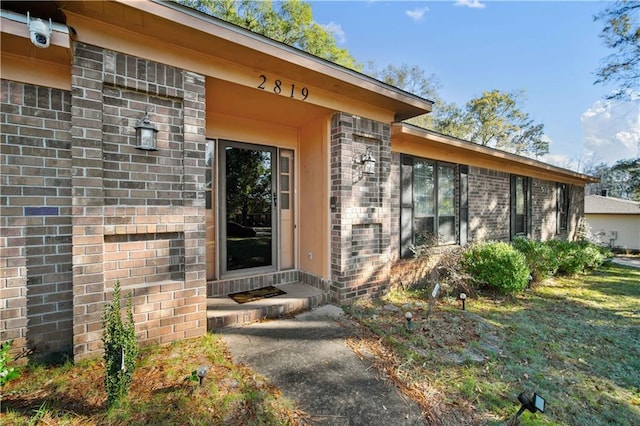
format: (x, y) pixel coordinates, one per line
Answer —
(575, 341)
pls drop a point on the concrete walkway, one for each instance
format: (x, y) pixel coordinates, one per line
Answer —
(628, 261)
(307, 358)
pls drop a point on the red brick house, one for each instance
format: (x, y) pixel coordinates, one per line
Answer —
(261, 173)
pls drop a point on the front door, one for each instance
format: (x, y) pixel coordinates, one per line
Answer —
(248, 197)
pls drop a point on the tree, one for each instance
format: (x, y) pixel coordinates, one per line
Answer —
(495, 120)
(452, 121)
(412, 79)
(290, 23)
(621, 32)
(622, 180)
(248, 179)
(629, 170)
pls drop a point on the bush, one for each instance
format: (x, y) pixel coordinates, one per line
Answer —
(497, 264)
(6, 373)
(120, 348)
(576, 257)
(540, 258)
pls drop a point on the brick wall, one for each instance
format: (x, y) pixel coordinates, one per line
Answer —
(138, 216)
(361, 222)
(35, 218)
(489, 195)
(543, 209)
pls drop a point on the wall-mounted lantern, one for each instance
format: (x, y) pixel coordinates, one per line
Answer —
(146, 134)
(365, 164)
(368, 162)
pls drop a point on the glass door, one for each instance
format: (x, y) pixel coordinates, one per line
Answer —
(248, 237)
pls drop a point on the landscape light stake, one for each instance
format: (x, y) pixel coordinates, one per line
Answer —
(201, 372)
(534, 404)
(463, 297)
(409, 317)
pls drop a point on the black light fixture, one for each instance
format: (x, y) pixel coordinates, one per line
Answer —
(368, 162)
(365, 164)
(463, 297)
(532, 404)
(146, 134)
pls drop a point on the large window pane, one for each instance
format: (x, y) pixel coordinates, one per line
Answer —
(428, 203)
(520, 204)
(446, 190)
(423, 199)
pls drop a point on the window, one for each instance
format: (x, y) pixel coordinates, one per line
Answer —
(563, 207)
(428, 202)
(520, 206)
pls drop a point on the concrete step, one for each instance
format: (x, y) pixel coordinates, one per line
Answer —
(222, 311)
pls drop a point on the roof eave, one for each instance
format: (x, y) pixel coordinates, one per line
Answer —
(405, 104)
(477, 151)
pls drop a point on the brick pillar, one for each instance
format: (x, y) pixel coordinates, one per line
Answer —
(361, 222)
(138, 215)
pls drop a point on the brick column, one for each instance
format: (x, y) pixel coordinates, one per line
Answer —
(361, 222)
(138, 215)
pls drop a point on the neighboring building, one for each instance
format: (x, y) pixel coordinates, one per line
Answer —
(262, 173)
(614, 221)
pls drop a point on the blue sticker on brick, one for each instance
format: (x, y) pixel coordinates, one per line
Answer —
(41, 211)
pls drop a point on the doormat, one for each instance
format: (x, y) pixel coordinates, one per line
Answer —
(257, 294)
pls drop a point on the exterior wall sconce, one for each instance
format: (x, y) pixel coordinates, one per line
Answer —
(368, 162)
(146, 134)
(365, 163)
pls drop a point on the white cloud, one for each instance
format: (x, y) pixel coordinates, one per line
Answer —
(612, 130)
(473, 4)
(417, 14)
(336, 30)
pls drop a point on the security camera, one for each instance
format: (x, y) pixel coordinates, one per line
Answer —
(39, 32)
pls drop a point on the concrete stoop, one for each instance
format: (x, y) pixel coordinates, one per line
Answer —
(222, 311)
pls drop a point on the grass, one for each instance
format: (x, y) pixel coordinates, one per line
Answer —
(575, 341)
(162, 392)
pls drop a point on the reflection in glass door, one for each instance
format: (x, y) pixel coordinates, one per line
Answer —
(247, 200)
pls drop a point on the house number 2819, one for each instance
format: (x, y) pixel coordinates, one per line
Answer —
(280, 88)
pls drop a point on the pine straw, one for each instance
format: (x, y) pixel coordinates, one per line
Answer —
(413, 381)
(161, 392)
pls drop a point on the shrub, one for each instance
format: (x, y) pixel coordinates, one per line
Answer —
(6, 373)
(451, 274)
(120, 348)
(539, 256)
(497, 264)
(576, 257)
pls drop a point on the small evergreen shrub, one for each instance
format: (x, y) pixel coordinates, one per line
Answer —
(120, 348)
(540, 258)
(6, 373)
(578, 256)
(498, 264)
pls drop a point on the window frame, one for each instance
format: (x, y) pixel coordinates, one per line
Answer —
(527, 208)
(563, 203)
(408, 217)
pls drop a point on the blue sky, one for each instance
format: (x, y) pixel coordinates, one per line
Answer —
(550, 49)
